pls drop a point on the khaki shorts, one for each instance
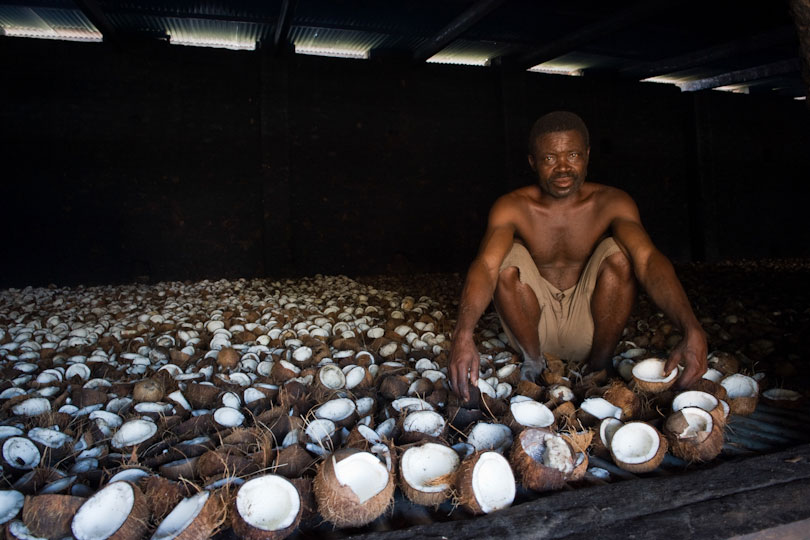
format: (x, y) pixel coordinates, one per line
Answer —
(566, 322)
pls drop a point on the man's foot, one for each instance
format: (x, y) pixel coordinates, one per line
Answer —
(532, 368)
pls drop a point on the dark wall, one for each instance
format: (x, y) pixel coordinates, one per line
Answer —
(160, 162)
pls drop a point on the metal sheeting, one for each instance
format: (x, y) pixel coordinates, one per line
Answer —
(347, 43)
(471, 53)
(47, 23)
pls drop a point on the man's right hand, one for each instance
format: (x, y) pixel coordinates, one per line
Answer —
(464, 364)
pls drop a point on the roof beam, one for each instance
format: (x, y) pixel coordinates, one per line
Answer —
(742, 76)
(457, 26)
(631, 15)
(283, 24)
(92, 10)
(800, 11)
(778, 36)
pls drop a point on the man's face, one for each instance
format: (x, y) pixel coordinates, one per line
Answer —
(560, 160)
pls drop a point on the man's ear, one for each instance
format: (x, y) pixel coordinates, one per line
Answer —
(532, 163)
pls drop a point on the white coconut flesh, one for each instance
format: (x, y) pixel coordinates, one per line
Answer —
(363, 472)
(9, 431)
(607, 428)
(781, 394)
(129, 475)
(549, 449)
(254, 498)
(336, 409)
(21, 453)
(428, 422)
(422, 465)
(408, 404)
(320, 430)
(104, 513)
(181, 517)
(601, 408)
(635, 443)
(253, 394)
(652, 370)
(11, 502)
(493, 482)
(694, 398)
(332, 377)
(532, 414)
(487, 388)
(157, 407)
(32, 407)
(134, 432)
(697, 421)
(561, 393)
(228, 417)
(355, 376)
(386, 428)
(713, 375)
(230, 399)
(506, 371)
(49, 437)
(486, 436)
(368, 434)
(739, 385)
(364, 405)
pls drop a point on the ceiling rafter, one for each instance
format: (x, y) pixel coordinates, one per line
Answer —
(282, 28)
(455, 28)
(92, 10)
(743, 75)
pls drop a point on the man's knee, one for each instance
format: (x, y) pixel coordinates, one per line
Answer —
(618, 267)
(508, 278)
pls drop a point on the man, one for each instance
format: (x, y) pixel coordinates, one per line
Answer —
(560, 259)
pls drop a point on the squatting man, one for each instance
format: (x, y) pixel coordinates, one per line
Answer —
(561, 259)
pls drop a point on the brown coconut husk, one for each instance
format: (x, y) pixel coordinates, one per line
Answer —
(201, 396)
(246, 531)
(293, 461)
(147, 390)
(212, 516)
(710, 387)
(565, 414)
(462, 418)
(136, 524)
(339, 505)
(184, 468)
(742, 406)
(309, 508)
(620, 395)
(725, 362)
(49, 516)
(465, 494)
(424, 498)
(530, 390)
(226, 459)
(533, 474)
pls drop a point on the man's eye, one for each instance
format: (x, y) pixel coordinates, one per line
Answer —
(574, 154)
(549, 159)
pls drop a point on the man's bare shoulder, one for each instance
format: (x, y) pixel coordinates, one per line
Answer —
(612, 200)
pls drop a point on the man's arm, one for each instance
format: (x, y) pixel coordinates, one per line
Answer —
(656, 274)
(482, 278)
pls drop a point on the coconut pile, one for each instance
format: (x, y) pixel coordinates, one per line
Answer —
(177, 410)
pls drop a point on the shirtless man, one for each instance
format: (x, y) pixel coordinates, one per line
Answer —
(560, 259)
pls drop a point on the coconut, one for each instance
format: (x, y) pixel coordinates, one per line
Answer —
(352, 488)
(530, 390)
(604, 434)
(50, 516)
(20, 454)
(426, 473)
(621, 396)
(638, 447)
(253, 517)
(649, 375)
(724, 362)
(710, 387)
(293, 461)
(147, 390)
(528, 414)
(541, 459)
(341, 411)
(162, 495)
(593, 410)
(693, 435)
(486, 436)
(565, 414)
(420, 425)
(703, 400)
(461, 418)
(134, 432)
(118, 511)
(485, 483)
(394, 386)
(228, 358)
(743, 393)
(194, 517)
(11, 502)
(781, 397)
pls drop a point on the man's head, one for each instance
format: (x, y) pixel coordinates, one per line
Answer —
(558, 153)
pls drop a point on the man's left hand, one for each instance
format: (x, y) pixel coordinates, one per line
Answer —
(691, 352)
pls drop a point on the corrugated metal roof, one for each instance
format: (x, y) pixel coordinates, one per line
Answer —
(47, 23)
(470, 53)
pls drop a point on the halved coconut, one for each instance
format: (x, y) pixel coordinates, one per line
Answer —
(486, 436)
(485, 483)
(118, 511)
(341, 411)
(528, 414)
(782, 397)
(11, 502)
(638, 447)
(267, 507)
(743, 393)
(607, 428)
(134, 432)
(50, 516)
(702, 400)
(419, 425)
(352, 488)
(542, 459)
(20, 454)
(426, 473)
(621, 396)
(593, 410)
(693, 434)
(649, 375)
(194, 517)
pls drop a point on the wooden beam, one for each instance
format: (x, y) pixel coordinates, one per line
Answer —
(742, 76)
(626, 17)
(457, 26)
(800, 10)
(283, 24)
(783, 34)
(92, 10)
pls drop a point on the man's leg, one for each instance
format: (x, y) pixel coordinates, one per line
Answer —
(518, 307)
(611, 303)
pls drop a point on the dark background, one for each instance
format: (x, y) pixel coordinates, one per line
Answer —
(176, 163)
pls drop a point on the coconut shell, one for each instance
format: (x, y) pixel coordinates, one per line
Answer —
(530, 390)
(623, 397)
(49, 516)
(425, 498)
(565, 414)
(201, 396)
(710, 387)
(339, 505)
(532, 474)
(693, 449)
(162, 495)
(724, 362)
(246, 531)
(579, 470)
(293, 461)
(462, 418)
(464, 487)
(228, 358)
(743, 405)
(147, 390)
(136, 524)
(309, 508)
(649, 465)
(212, 515)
